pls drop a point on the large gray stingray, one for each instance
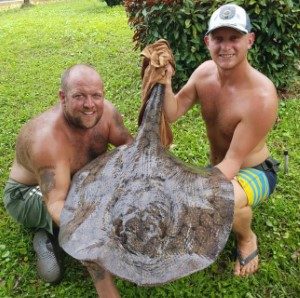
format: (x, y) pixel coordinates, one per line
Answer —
(142, 214)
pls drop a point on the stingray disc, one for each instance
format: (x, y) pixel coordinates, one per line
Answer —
(142, 214)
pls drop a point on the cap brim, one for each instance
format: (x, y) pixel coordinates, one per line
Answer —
(241, 30)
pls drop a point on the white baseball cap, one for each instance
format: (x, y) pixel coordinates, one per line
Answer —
(232, 16)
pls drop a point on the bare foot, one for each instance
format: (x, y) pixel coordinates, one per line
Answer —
(247, 260)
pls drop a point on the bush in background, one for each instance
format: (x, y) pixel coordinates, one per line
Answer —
(184, 23)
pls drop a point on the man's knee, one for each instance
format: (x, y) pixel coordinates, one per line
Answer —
(26, 207)
(240, 197)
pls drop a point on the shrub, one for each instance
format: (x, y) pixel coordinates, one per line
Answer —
(184, 23)
(113, 2)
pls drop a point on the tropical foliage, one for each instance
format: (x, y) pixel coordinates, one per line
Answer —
(184, 23)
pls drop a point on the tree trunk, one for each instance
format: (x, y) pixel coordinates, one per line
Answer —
(26, 3)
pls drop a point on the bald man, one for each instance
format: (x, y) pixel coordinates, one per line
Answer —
(49, 150)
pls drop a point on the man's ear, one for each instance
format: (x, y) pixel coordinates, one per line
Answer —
(62, 96)
(251, 39)
(206, 40)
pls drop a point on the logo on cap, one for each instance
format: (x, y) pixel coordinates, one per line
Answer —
(227, 12)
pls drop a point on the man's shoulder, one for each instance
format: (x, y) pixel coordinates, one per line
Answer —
(39, 123)
(109, 113)
(206, 68)
(204, 78)
(262, 98)
(204, 75)
(109, 106)
(261, 79)
(40, 132)
(263, 87)
(38, 141)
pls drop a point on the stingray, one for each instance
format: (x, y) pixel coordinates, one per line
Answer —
(144, 215)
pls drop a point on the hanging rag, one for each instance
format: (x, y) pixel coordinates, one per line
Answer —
(156, 57)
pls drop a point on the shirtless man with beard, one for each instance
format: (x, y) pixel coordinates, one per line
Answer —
(49, 150)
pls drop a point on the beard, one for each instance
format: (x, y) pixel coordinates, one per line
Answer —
(82, 121)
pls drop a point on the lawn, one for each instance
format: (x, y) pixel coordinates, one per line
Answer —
(37, 44)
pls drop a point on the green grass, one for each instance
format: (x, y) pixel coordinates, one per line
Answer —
(37, 44)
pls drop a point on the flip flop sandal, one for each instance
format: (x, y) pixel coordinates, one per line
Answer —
(249, 258)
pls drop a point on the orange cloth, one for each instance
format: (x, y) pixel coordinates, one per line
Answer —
(156, 58)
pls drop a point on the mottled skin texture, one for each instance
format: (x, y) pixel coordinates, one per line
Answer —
(146, 216)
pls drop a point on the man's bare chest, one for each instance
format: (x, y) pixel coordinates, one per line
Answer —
(221, 114)
(85, 150)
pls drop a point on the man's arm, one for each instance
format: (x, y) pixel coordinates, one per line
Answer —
(103, 280)
(177, 105)
(54, 182)
(250, 131)
(52, 169)
(118, 133)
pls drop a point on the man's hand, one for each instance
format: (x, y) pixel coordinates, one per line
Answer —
(229, 168)
(170, 72)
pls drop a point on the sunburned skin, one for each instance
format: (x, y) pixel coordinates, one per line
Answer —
(48, 127)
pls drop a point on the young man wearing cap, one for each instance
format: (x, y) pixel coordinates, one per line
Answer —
(239, 107)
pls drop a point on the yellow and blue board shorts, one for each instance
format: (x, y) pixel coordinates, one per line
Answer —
(258, 183)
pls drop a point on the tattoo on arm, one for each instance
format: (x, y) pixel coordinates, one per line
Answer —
(47, 180)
